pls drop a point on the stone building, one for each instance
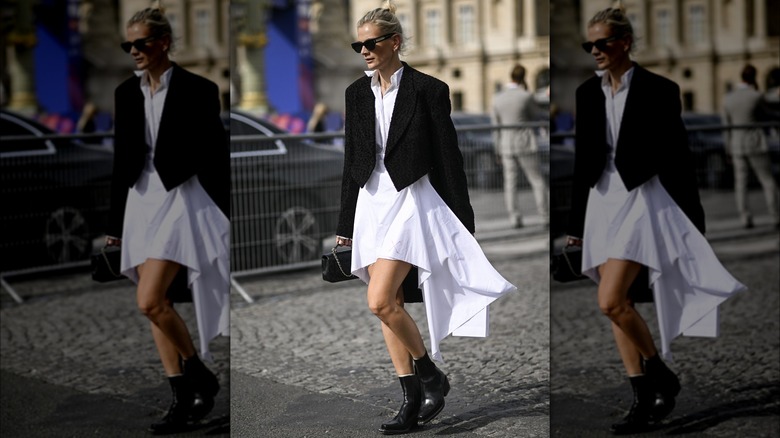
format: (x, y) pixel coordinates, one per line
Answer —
(702, 44)
(472, 45)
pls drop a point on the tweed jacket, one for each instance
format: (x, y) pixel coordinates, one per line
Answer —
(191, 141)
(652, 141)
(421, 140)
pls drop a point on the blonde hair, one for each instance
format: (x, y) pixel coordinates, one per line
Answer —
(386, 21)
(615, 17)
(156, 21)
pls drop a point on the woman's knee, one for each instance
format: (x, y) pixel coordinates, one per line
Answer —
(153, 308)
(613, 308)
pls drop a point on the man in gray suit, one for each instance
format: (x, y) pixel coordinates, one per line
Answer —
(745, 105)
(517, 146)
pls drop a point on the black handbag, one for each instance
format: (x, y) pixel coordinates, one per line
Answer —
(106, 265)
(337, 265)
(567, 265)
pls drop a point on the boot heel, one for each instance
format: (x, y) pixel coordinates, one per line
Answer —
(446, 386)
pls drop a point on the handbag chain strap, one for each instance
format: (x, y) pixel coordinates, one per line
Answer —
(568, 262)
(338, 263)
(108, 264)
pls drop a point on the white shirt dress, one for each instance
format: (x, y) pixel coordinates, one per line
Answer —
(416, 226)
(645, 225)
(183, 225)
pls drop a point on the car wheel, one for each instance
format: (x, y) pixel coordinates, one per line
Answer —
(67, 235)
(297, 235)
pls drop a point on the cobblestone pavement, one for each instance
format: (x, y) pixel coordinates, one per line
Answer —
(730, 384)
(78, 334)
(322, 337)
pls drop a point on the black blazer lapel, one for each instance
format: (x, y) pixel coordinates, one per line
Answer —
(173, 99)
(405, 105)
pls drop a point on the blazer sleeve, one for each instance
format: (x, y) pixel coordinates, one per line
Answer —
(214, 164)
(119, 188)
(580, 186)
(447, 174)
(678, 175)
(349, 188)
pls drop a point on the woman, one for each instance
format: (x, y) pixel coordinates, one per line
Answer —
(169, 204)
(405, 205)
(636, 205)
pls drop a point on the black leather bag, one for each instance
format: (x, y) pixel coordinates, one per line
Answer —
(106, 265)
(567, 265)
(337, 265)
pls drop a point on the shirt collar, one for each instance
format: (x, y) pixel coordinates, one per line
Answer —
(395, 79)
(165, 78)
(625, 80)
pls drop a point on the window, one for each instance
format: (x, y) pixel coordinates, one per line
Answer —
(696, 24)
(688, 101)
(203, 30)
(466, 25)
(663, 27)
(432, 28)
(457, 101)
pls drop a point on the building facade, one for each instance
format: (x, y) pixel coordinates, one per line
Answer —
(702, 44)
(472, 45)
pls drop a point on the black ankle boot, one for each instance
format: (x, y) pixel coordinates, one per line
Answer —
(435, 387)
(177, 418)
(205, 386)
(665, 384)
(406, 419)
(638, 418)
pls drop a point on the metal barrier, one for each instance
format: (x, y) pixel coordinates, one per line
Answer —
(285, 197)
(711, 160)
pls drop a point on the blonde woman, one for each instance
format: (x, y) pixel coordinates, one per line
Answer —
(636, 205)
(169, 208)
(405, 209)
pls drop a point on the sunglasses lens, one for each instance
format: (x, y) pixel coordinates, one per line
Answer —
(370, 44)
(587, 46)
(357, 47)
(126, 46)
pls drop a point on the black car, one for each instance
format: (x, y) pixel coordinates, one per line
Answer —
(285, 195)
(54, 193)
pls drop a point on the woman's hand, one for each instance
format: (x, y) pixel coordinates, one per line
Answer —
(113, 241)
(573, 241)
(343, 241)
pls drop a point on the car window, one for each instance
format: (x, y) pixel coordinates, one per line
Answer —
(12, 126)
(240, 126)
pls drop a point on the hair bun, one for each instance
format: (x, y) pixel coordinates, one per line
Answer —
(389, 5)
(618, 4)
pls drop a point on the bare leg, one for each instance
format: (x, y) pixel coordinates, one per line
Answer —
(628, 326)
(402, 360)
(383, 289)
(168, 329)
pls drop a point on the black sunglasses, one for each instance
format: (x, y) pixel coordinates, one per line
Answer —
(370, 43)
(600, 44)
(139, 44)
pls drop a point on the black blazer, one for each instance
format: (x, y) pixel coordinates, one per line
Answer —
(652, 141)
(421, 140)
(191, 141)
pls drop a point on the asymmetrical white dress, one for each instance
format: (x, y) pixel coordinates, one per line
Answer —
(183, 225)
(416, 226)
(646, 226)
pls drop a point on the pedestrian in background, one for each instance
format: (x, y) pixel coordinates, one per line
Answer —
(169, 204)
(748, 146)
(636, 204)
(405, 204)
(517, 147)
